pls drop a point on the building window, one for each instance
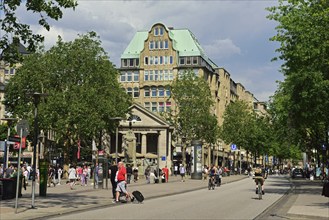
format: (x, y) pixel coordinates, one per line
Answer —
(154, 107)
(151, 60)
(161, 30)
(136, 76)
(165, 59)
(166, 76)
(156, 76)
(161, 91)
(146, 60)
(151, 75)
(171, 60)
(147, 92)
(153, 91)
(151, 45)
(161, 107)
(161, 44)
(166, 45)
(182, 61)
(168, 106)
(122, 77)
(146, 75)
(6, 71)
(171, 75)
(188, 60)
(147, 105)
(125, 62)
(137, 62)
(129, 91)
(195, 60)
(156, 60)
(168, 91)
(131, 62)
(161, 75)
(156, 31)
(129, 77)
(136, 92)
(161, 60)
(156, 45)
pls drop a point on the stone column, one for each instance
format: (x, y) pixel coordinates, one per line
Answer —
(144, 143)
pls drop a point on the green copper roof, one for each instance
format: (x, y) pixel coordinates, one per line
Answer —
(184, 42)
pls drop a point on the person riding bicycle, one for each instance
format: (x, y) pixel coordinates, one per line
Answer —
(260, 176)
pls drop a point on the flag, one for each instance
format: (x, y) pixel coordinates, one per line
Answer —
(78, 153)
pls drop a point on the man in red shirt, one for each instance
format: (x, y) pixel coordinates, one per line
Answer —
(165, 170)
(121, 182)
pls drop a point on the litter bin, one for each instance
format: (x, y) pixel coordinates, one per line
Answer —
(8, 188)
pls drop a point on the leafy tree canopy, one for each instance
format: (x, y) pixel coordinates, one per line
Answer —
(13, 32)
(193, 100)
(82, 88)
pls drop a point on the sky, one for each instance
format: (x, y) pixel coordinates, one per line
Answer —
(234, 33)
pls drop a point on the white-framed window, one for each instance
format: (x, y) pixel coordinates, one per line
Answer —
(136, 76)
(154, 107)
(147, 92)
(188, 60)
(129, 77)
(161, 60)
(156, 31)
(165, 59)
(166, 44)
(171, 60)
(151, 60)
(161, 44)
(166, 75)
(122, 77)
(147, 105)
(182, 60)
(146, 61)
(146, 75)
(151, 45)
(129, 91)
(136, 92)
(156, 45)
(160, 75)
(171, 75)
(161, 91)
(156, 60)
(195, 60)
(161, 31)
(6, 71)
(156, 75)
(131, 62)
(161, 107)
(168, 93)
(153, 91)
(125, 62)
(151, 75)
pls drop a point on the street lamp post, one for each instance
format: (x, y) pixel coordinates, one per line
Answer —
(158, 164)
(36, 100)
(6, 153)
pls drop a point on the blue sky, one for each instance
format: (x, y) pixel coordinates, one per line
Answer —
(235, 34)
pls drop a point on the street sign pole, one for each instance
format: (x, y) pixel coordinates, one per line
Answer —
(18, 170)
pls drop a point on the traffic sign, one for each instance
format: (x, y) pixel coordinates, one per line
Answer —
(14, 139)
(233, 147)
(23, 126)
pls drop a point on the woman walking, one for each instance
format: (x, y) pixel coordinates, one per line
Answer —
(72, 176)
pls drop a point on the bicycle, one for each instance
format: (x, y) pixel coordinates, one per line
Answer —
(211, 183)
(259, 190)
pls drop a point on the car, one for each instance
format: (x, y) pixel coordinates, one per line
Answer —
(297, 173)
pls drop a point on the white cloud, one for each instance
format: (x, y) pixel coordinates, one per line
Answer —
(222, 49)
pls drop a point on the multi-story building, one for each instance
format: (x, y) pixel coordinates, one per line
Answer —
(154, 58)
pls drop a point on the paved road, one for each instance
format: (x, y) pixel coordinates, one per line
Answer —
(236, 200)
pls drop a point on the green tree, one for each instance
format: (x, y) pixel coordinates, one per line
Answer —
(82, 87)
(193, 117)
(303, 36)
(11, 26)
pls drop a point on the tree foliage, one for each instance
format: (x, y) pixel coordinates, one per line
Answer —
(14, 32)
(193, 117)
(82, 89)
(302, 101)
(243, 127)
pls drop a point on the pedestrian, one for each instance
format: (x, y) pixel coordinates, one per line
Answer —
(96, 170)
(147, 174)
(51, 173)
(182, 172)
(72, 176)
(205, 172)
(135, 173)
(129, 173)
(219, 173)
(112, 171)
(121, 183)
(59, 173)
(165, 171)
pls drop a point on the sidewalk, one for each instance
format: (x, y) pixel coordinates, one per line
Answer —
(61, 199)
